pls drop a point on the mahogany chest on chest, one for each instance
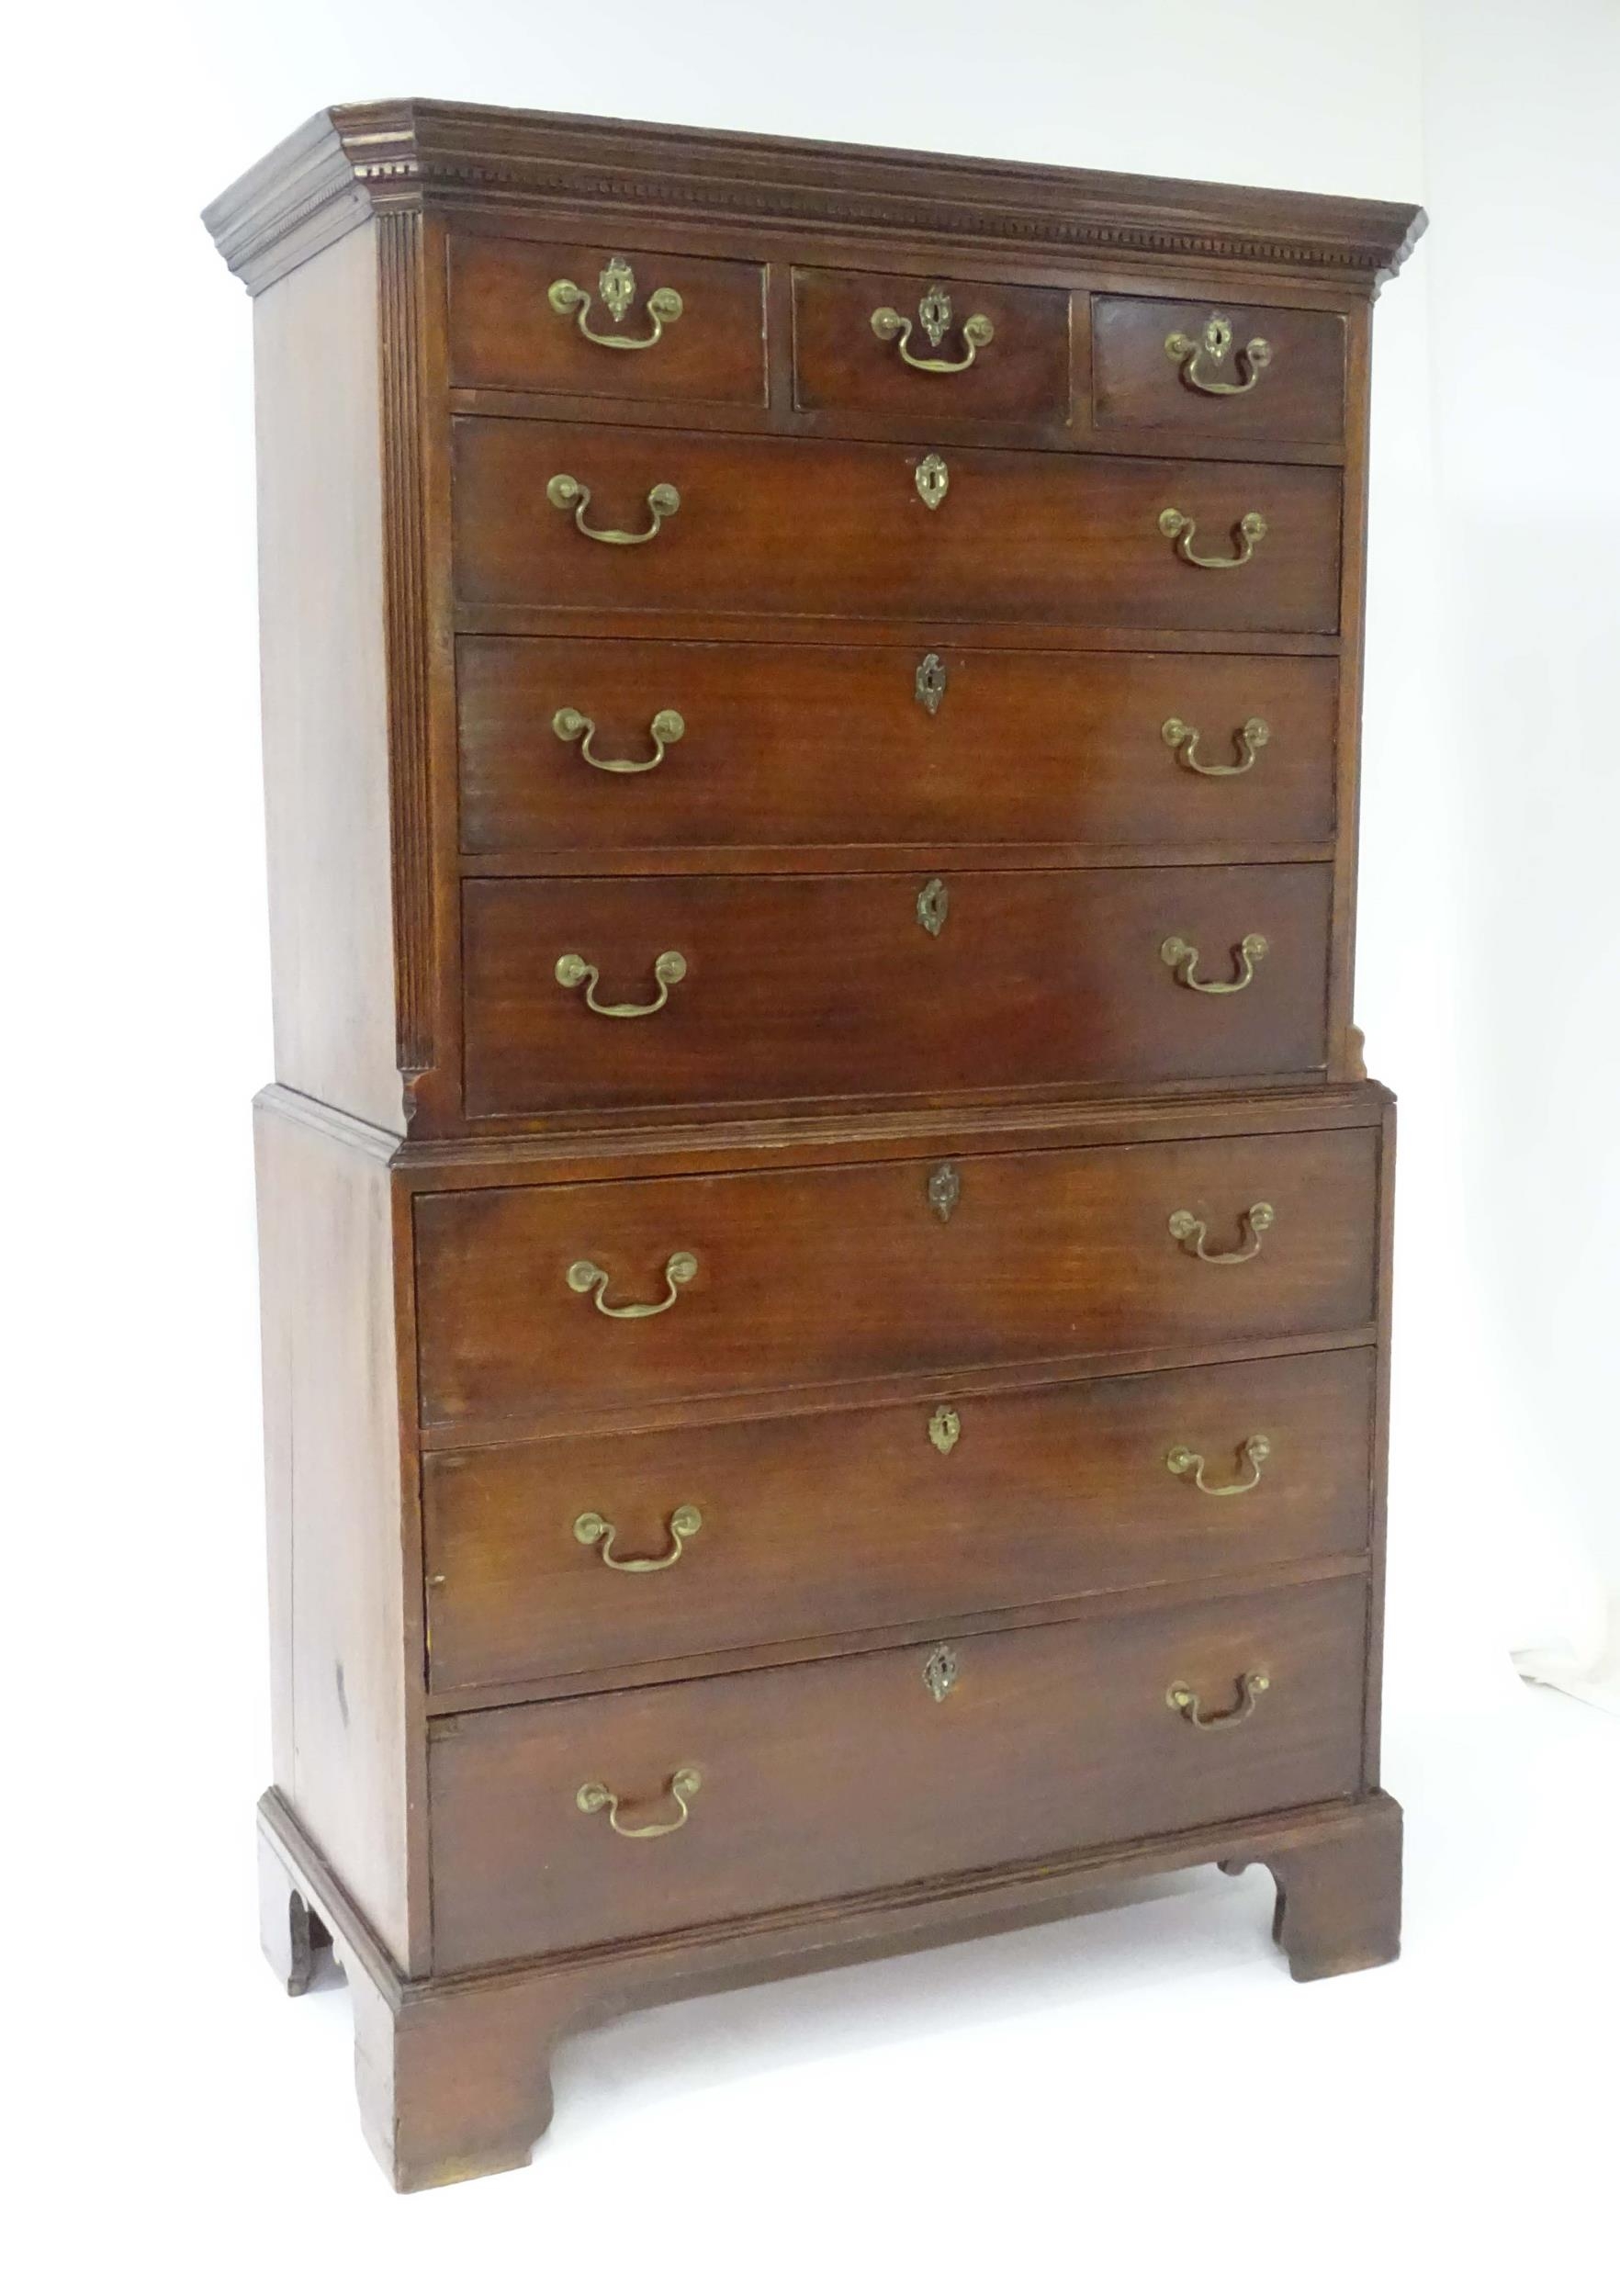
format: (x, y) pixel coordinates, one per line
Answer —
(826, 1239)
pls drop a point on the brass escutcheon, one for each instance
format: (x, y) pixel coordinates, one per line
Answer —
(945, 1430)
(931, 683)
(939, 1671)
(933, 907)
(944, 1189)
(933, 481)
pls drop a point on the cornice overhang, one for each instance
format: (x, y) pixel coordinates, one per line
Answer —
(363, 158)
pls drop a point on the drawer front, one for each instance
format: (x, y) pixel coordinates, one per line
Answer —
(814, 527)
(725, 1538)
(816, 987)
(851, 1273)
(507, 333)
(820, 1779)
(878, 745)
(882, 343)
(1231, 370)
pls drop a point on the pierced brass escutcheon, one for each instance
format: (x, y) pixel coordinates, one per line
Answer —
(682, 1789)
(666, 729)
(616, 287)
(1253, 1452)
(1247, 742)
(934, 312)
(933, 481)
(939, 1671)
(945, 1430)
(572, 969)
(593, 1530)
(933, 907)
(1176, 527)
(944, 1189)
(1182, 958)
(931, 675)
(572, 494)
(1213, 345)
(1189, 1232)
(585, 1276)
(1188, 1704)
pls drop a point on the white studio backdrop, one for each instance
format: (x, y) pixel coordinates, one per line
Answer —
(138, 1029)
(135, 911)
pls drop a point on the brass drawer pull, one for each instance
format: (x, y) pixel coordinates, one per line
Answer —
(668, 969)
(665, 730)
(682, 1789)
(1250, 738)
(1176, 527)
(684, 1524)
(934, 312)
(1185, 1702)
(1182, 958)
(571, 494)
(679, 1268)
(1182, 1462)
(1213, 345)
(616, 287)
(1190, 1233)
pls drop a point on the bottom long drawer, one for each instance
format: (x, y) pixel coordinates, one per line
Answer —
(561, 1825)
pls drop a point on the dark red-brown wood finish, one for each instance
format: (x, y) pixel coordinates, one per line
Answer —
(820, 1190)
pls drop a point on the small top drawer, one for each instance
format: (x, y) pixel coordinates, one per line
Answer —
(606, 323)
(1229, 370)
(879, 343)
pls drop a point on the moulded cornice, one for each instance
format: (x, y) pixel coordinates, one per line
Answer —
(363, 158)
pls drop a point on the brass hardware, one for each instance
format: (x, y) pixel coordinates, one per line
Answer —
(945, 1430)
(1185, 1702)
(1189, 1232)
(945, 1189)
(682, 1789)
(1182, 958)
(668, 969)
(939, 1671)
(1247, 742)
(933, 481)
(1182, 1462)
(1213, 345)
(934, 312)
(679, 1268)
(933, 907)
(1179, 529)
(571, 494)
(684, 1524)
(931, 683)
(616, 287)
(666, 729)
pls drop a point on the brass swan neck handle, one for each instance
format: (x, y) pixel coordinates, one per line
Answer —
(934, 315)
(665, 730)
(1213, 344)
(1190, 1232)
(1178, 528)
(1254, 1451)
(1188, 1704)
(682, 1789)
(586, 1277)
(565, 493)
(616, 287)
